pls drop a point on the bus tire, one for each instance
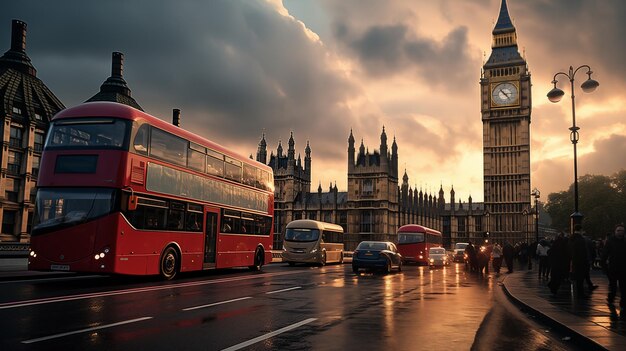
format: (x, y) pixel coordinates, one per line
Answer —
(258, 260)
(169, 263)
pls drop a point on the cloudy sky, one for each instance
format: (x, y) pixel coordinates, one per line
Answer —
(319, 68)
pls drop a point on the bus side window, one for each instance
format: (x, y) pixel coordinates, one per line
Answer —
(141, 140)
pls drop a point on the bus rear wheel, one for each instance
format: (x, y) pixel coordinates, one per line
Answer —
(258, 260)
(169, 263)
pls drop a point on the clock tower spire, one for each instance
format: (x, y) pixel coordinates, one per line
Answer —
(506, 109)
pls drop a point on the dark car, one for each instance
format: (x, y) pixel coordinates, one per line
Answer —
(376, 255)
(459, 252)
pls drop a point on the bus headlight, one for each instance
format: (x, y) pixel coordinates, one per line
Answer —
(314, 250)
(32, 254)
(102, 253)
(432, 260)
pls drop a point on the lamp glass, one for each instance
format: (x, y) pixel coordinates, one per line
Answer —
(589, 85)
(555, 95)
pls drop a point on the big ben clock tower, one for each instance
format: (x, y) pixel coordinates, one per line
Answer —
(506, 108)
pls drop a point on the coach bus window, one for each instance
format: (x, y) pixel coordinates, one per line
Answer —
(168, 147)
(409, 238)
(141, 140)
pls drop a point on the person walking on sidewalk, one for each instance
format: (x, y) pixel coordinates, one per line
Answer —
(591, 256)
(508, 252)
(580, 262)
(496, 258)
(613, 262)
(559, 262)
(542, 253)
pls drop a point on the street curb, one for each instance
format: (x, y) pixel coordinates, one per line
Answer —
(34, 275)
(589, 344)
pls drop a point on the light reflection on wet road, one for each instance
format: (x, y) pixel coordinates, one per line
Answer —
(326, 308)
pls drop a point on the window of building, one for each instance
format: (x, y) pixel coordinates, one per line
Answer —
(39, 140)
(14, 162)
(366, 222)
(17, 110)
(8, 222)
(17, 134)
(36, 162)
(11, 190)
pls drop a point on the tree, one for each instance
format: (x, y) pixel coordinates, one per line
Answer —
(602, 200)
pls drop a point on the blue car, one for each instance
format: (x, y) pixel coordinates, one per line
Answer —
(376, 255)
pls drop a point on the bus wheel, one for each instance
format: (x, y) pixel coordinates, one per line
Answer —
(258, 260)
(169, 263)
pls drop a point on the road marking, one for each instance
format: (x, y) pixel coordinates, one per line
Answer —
(84, 330)
(16, 304)
(269, 335)
(282, 290)
(216, 303)
(39, 280)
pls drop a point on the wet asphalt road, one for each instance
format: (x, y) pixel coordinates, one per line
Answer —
(281, 308)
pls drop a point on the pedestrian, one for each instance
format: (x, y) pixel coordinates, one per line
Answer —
(580, 262)
(591, 257)
(509, 252)
(470, 251)
(483, 256)
(542, 253)
(496, 258)
(559, 263)
(613, 262)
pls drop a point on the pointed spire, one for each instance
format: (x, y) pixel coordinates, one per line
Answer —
(291, 142)
(319, 187)
(405, 178)
(307, 150)
(279, 151)
(351, 138)
(263, 143)
(504, 24)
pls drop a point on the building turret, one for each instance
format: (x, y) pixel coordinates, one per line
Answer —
(452, 203)
(291, 153)
(261, 153)
(307, 160)
(279, 150)
(394, 157)
(383, 148)
(351, 151)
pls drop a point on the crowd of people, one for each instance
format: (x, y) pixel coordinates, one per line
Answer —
(565, 259)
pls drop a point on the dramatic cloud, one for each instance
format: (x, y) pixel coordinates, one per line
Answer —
(319, 68)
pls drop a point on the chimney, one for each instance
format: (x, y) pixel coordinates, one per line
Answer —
(117, 65)
(18, 36)
(176, 117)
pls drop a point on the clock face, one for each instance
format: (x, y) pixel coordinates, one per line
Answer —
(504, 94)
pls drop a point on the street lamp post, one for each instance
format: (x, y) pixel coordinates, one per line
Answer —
(487, 218)
(526, 234)
(555, 95)
(536, 194)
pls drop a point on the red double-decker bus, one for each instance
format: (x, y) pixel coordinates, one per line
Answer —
(415, 240)
(123, 192)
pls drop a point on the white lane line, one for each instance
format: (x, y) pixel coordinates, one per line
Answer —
(84, 330)
(7, 305)
(282, 290)
(269, 335)
(216, 303)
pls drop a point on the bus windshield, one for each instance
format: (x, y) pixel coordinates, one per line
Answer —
(63, 207)
(410, 238)
(88, 133)
(300, 234)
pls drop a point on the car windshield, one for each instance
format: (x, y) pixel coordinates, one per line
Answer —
(371, 245)
(62, 207)
(410, 238)
(438, 251)
(301, 234)
(460, 246)
(88, 133)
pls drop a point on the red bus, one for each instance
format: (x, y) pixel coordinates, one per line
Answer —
(415, 240)
(123, 192)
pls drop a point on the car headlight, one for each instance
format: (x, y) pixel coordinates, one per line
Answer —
(432, 260)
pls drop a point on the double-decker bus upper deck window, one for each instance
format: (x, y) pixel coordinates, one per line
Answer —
(215, 163)
(140, 143)
(232, 169)
(249, 175)
(88, 133)
(196, 160)
(168, 147)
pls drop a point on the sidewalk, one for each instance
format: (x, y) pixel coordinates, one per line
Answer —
(588, 318)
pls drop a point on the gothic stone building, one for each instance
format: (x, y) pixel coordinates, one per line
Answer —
(375, 205)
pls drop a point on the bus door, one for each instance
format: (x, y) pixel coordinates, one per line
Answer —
(210, 238)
